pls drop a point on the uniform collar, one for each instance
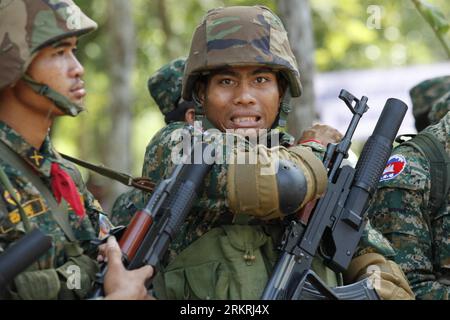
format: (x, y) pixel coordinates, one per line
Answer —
(40, 160)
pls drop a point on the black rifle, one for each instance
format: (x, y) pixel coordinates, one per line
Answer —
(338, 219)
(21, 255)
(150, 232)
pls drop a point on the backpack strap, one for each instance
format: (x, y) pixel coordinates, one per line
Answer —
(59, 212)
(439, 161)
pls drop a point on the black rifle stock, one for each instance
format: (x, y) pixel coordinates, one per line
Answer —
(338, 219)
(21, 255)
(150, 232)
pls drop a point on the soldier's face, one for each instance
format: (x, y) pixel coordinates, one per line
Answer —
(58, 67)
(241, 98)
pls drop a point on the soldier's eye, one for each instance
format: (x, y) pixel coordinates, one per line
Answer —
(226, 81)
(261, 79)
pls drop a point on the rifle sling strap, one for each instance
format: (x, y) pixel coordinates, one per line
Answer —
(59, 212)
(141, 183)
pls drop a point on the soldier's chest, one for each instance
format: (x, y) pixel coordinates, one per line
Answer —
(39, 214)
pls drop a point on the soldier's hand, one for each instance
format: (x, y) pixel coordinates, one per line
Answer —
(386, 277)
(321, 133)
(120, 283)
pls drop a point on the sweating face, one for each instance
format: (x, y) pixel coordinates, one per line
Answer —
(241, 98)
(57, 67)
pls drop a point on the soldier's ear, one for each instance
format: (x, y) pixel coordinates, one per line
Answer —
(190, 115)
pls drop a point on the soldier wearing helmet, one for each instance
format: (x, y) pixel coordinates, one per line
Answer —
(41, 79)
(165, 88)
(240, 74)
(411, 206)
(424, 95)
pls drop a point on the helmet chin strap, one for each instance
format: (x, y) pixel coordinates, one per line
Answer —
(285, 109)
(64, 104)
(280, 122)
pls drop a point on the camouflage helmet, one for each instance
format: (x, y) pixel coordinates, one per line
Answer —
(424, 95)
(165, 88)
(439, 109)
(26, 26)
(240, 36)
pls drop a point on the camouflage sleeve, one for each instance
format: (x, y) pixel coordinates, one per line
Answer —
(125, 206)
(399, 216)
(158, 165)
(400, 212)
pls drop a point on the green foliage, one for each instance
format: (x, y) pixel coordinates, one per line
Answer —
(345, 39)
(434, 16)
(436, 19)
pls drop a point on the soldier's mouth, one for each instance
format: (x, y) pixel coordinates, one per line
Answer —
(246, 122)
(78, 91)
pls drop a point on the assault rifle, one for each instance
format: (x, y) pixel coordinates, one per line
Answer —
(149, 234)
(338, 218)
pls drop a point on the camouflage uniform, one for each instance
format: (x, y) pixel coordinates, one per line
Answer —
(43, 23)
(56, 261)
(402, 209)
(212, 209)
(125, 206)
(424, 95)
(212, 215)
(165, 88)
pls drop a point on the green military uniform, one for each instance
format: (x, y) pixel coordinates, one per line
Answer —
(47, 278)
(212, 218)
(165, 88)
(26, 201)
(218, 253)
(403, 210)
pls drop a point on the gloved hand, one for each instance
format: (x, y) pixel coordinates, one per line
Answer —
(386, 276)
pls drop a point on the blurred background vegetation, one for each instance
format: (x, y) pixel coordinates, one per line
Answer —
(160, 30)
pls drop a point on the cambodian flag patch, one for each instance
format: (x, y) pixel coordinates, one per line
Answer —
(394, 167)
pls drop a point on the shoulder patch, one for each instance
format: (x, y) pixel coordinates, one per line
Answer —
(395, 165)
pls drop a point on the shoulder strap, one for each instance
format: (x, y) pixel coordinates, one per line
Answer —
(439, 167)
(59, 212)
(142, 183)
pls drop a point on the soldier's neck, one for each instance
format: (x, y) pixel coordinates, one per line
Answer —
(31, 125)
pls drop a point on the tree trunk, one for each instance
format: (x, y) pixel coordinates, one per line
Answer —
(121, 54)
(165, 25)
(296, 15)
